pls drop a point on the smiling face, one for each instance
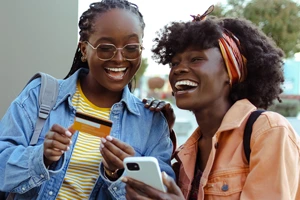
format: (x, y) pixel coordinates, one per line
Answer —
(118, 27)
(199, 79)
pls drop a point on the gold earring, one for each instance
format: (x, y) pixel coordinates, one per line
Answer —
(83, 58)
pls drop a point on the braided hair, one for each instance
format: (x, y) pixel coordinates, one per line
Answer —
(87, 21)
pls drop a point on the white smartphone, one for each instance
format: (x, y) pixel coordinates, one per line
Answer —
(144, 169)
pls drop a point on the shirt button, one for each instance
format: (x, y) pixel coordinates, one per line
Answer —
(50, 193)
(216, 145)
(225, 188)
(115, 188)
(42, 176)
(23, 188)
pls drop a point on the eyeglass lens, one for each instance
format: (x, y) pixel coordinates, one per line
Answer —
(129, 51)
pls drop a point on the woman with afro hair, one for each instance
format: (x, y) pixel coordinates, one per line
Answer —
(223, 69)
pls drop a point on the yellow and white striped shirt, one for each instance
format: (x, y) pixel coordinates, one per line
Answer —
(83, 169)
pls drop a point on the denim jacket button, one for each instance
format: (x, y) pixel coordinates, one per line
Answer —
(50, 193)
(23, 188)
(42, 176)
(225, 187)
(115, 188)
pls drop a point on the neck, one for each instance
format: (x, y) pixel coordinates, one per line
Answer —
(99, 95)
(209, 120)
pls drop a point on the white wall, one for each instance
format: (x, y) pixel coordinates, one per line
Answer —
(35, 36)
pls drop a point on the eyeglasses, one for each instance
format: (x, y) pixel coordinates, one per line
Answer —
(106, 52)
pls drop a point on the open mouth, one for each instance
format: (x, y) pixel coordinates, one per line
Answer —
(116, 73)
(185, 85)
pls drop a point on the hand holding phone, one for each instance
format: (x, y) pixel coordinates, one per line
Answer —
(144, 169)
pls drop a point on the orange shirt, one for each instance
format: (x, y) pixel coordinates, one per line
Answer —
(274, 170)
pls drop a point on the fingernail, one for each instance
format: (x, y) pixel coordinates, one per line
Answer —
(68, 133)
(71, 142)
(123, 179)
(68, 148)
(101, 146)
(165, 174)
(109, 138)
(103, 140)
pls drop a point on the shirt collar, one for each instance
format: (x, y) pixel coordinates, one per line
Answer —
(67, 87)
(236, 115)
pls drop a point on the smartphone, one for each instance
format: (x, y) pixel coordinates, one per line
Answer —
(144, 169)
(92, 125)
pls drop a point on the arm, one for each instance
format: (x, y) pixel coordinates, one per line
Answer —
(22, 166)
(17, 158)
(168, 112)
(274, 166)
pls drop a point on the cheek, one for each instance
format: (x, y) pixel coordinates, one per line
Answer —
(137, 64)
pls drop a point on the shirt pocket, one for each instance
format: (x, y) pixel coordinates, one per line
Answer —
(226, 184)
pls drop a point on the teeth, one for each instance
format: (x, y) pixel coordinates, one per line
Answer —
(183, 83)
(116, 69)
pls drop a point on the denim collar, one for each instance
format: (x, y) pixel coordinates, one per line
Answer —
(67, 88)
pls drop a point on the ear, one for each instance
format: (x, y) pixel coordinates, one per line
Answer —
(82, 46)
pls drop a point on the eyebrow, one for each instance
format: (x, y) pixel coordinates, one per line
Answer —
(111, 39)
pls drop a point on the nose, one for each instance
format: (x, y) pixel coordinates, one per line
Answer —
(181, 68)
(118, 55)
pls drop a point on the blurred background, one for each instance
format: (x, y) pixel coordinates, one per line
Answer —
(43, 35)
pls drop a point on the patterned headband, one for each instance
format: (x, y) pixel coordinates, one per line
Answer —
(229, 45)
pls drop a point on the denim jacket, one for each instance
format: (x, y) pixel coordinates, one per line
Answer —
(22, 169)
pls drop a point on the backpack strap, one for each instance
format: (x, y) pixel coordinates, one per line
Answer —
(47, 99)
(248, 131)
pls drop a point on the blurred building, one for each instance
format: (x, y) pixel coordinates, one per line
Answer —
(292, 77)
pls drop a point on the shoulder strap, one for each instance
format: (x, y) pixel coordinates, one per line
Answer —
(47, 99)
(248, 131)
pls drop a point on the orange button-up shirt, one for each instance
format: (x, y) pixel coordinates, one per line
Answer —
(274, 170)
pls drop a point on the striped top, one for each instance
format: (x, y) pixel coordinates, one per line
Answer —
(83, 169)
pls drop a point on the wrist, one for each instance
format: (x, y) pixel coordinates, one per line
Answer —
(111, 175)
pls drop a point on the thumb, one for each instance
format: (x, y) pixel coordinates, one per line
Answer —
(171, 185)
(71, 130)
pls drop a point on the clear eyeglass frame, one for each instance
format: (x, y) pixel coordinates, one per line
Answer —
(141, 48)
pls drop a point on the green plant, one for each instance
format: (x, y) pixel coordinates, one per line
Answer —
(287, 108)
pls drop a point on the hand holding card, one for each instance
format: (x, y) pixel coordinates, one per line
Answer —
(92, 125)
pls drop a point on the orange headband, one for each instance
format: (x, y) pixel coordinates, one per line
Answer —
(235, 62)
(229, 45)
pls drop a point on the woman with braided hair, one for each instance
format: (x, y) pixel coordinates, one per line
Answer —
(223, 69)
(67, 164)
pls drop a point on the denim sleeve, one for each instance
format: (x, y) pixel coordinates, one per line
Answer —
(22, 167)
(115, 188)
(160, 144)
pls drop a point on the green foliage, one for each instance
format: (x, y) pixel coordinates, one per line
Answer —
(279, 19)
(141, 70)
(287, 108)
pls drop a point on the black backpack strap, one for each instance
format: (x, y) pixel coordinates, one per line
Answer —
(248, 131)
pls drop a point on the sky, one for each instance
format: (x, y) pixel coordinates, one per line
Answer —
(158, 13)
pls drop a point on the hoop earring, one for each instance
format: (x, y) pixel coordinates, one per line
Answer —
(83, 58)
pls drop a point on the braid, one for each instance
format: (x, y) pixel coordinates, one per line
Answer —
(87, 19)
